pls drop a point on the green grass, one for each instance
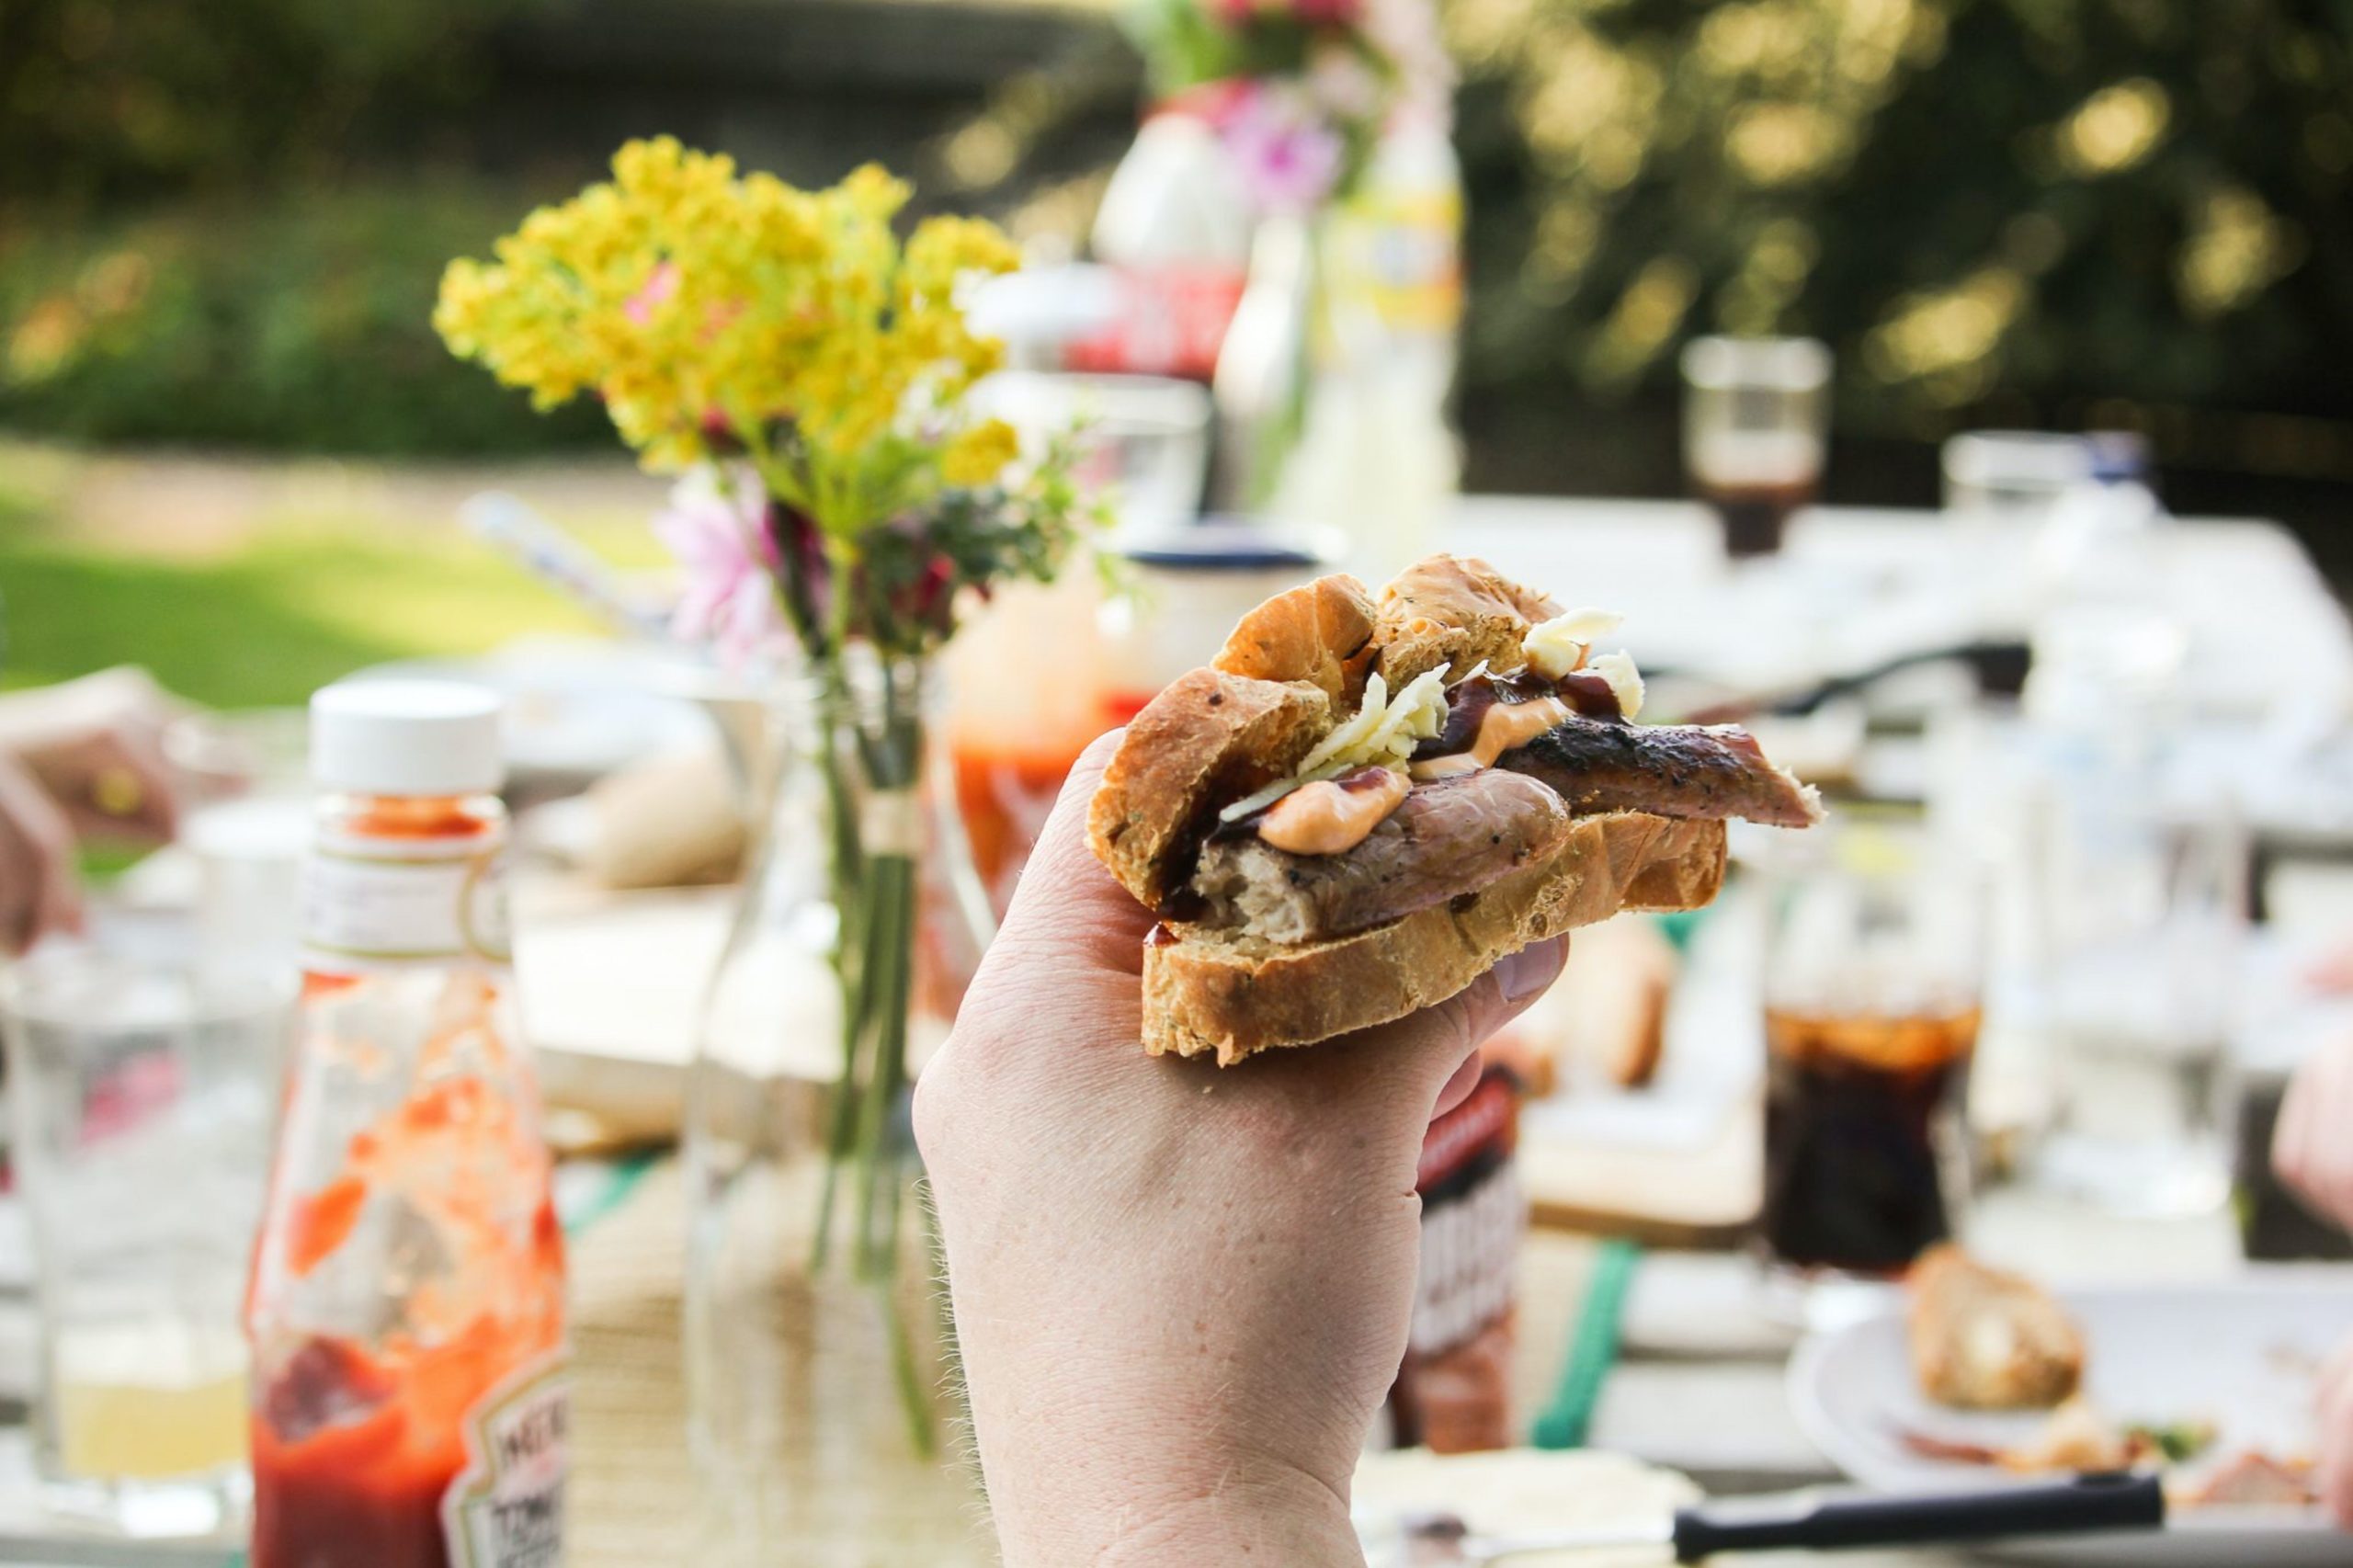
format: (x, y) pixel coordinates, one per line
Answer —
(262, 623)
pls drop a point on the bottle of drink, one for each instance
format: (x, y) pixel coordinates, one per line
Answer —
(1174, 226)
(406, 1307)
(1397, 277)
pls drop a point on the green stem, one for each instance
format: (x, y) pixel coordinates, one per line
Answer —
(886, 1071)
(853, 946)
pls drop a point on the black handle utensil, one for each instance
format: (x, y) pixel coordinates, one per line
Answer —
(2087, 1502)
(1814, 1522)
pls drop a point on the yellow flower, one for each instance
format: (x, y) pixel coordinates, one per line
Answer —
(681, 292)
(980, 454)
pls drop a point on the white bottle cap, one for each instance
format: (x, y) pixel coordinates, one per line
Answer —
(405, 737)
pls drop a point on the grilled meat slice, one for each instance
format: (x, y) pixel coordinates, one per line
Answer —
(1444, 839)
(1670, 770)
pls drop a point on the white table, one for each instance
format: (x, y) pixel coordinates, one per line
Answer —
(1855, 584)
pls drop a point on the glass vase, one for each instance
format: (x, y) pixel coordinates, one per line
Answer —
(821, 1410)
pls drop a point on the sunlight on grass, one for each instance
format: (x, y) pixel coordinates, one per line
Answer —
(269, 621)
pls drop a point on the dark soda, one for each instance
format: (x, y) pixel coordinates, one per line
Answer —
(1862, 1132)
(1755, 514)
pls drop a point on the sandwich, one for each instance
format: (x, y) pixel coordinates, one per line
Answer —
(1358, 806)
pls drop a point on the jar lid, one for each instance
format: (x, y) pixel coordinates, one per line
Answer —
(406, 737)
(1221, 545)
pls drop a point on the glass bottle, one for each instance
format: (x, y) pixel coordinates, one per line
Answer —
(406, 1307)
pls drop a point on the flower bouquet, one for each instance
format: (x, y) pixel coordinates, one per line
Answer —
(805, 368)
(1300, 92)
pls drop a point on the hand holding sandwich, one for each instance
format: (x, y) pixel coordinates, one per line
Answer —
(1366, 828)
(1181, 1293)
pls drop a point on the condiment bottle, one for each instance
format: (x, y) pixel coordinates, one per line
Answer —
(406, 1307)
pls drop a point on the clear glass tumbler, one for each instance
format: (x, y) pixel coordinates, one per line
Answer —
(1756, 426)
(2141, 921)
(141, 1100)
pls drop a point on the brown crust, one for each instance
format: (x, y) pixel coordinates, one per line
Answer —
(1320, 632)
(2031, 1361)
(1208, 738)
(1453, 610)
(1231, 994)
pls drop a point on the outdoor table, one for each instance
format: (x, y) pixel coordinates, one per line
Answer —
(1699, 1383)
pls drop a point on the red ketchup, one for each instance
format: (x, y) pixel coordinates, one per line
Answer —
(406, 1308)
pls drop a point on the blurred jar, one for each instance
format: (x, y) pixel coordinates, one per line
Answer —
(1024, 698)
(1189, 588)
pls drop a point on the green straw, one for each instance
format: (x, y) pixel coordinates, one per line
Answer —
(1592, 1349)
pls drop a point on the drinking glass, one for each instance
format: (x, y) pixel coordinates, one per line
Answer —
(141, 1100)
(243, 778)
(1143, 442)
(1871, 1002)
(1755, 422)
(2141, 916)
(2011, 476)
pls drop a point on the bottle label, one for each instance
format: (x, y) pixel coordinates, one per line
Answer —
(506, 1508)
(370, 904)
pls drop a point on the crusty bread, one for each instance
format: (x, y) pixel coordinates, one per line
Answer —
(1453, 610)
(1984, 1339)
(1210, 737)
(1320, 632)
(1231, 994)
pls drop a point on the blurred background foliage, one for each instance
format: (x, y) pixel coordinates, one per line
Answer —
(1996, 212)
(222, 224)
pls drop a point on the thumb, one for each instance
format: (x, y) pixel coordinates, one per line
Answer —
(1421, 1051)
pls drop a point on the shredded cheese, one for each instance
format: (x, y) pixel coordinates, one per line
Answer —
(1559, 646)
(1625, 681)
(1382, 733)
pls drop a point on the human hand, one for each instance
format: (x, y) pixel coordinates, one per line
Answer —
(2311, 1148)
(1181, 1293)
(39, 888)
(95, 745)
(2333, 1471)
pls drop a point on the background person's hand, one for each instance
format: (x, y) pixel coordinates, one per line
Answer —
(2333, 1471)
(40, 884)
(2311, 1148)
(95, 746)
(1181, 1292)
(2312, 1151)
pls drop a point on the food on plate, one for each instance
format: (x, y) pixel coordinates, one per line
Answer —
(1985, 1339)
(2253, 1479)
(1358, 808)
(2076, 1436)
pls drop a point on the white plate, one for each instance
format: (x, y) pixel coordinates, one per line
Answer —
(2239, 1354)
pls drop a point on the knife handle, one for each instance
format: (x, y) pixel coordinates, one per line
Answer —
(2110, 1501)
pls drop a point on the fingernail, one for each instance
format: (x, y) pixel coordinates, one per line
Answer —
(1530, 970)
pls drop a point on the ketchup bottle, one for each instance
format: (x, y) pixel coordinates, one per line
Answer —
(406, 1306)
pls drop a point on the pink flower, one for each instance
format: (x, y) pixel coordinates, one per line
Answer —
(1287, 155)
(729, 558)
(661, 284)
